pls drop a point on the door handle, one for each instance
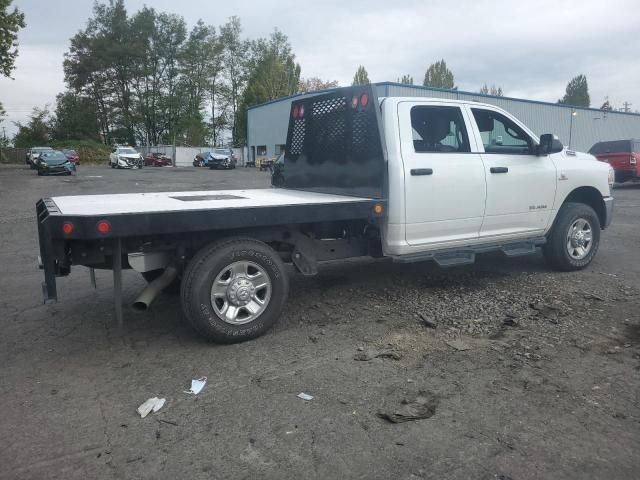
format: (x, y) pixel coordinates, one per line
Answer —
(498, 169)
(421, 171)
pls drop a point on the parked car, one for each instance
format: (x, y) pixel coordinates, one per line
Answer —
(125, 157)
(54, 162)
(157, 159)
(34, 153)
(217, 158)
(72, 155)
(622, 155)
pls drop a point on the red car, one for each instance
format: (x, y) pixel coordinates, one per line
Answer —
(622, 155)
(72, 155)
(156, 159)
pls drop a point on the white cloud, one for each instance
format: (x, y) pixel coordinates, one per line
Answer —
(531, 50)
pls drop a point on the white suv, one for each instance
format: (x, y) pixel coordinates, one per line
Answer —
(123, 156)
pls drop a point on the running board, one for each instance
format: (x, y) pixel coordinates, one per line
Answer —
(467, 255)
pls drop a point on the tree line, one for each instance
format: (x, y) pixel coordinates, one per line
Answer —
(147, 78)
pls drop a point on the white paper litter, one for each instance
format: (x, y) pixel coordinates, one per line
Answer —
(305, 396)
(197, 384)
(153, 404)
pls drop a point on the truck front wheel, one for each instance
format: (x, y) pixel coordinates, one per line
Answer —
(234, 290)
(574, 238)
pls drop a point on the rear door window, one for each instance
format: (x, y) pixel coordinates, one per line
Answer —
(439, 130)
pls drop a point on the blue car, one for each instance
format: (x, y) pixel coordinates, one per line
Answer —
(54, 162)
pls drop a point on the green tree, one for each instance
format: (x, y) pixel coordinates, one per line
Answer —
(75, 118)
(315, 84)
(406, 80)
(158, 93)
(577, 92)
(361, 77)
(495, 91)
(274, 74)
(235, 59)
(438, 75)
(10, 25)
(35, 132)
(606, 106)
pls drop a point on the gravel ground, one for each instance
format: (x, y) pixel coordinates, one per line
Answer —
(529, 373)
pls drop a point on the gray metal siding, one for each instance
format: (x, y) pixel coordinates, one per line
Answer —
(268, 123)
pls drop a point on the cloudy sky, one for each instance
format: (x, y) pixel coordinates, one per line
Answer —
(530, 49)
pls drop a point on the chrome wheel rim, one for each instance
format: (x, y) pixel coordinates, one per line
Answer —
(579, 239)
(241, 292)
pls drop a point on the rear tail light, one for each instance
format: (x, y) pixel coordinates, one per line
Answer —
(632, 160)
(103, 227)
(67, 228)
(298, 111)
(364, 100)
(354, 101)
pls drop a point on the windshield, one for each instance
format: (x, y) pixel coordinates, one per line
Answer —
(221, 151)
(616, 146)
(127, 151)
(53, 155)
(41, 149)
(69, 152)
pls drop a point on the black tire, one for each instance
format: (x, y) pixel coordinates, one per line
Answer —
(173, 288)
(556, 250)
(212, 261)
(40, 174)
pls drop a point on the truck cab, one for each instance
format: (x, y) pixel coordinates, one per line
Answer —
(466, 173)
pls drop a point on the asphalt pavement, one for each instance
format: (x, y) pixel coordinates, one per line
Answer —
(528, 373)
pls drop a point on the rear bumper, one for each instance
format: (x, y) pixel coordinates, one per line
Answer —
(608, 211)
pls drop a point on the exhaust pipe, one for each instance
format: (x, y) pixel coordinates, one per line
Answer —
(154, 288)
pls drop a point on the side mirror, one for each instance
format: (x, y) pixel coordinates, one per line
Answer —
(549, 144)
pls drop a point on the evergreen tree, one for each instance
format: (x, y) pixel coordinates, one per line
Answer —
(361, 77)
(577, 93)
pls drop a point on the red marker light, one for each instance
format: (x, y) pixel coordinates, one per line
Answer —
(364, 99)
(67, 228)
(296, 111)
(103, 227)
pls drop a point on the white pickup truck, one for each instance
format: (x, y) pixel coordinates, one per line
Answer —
(412, 179)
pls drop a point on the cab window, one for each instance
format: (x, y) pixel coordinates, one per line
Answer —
(500, 134)
(439, 130)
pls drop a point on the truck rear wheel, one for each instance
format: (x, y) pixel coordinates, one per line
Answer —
(234, 290)
(574, 238)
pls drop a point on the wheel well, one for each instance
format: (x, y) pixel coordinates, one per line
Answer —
(589, 196)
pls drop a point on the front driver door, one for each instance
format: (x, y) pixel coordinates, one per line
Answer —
(444, 177)
(521, 186)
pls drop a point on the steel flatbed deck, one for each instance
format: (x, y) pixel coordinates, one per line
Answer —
(181, 212)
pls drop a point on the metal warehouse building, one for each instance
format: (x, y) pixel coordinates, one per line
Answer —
(268, 122)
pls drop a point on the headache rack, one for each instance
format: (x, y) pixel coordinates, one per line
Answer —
(335, 144)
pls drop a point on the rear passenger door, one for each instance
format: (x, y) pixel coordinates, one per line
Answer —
(521, 186)
(444, 177)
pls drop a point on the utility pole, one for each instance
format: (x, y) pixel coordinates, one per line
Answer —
(626, 107)
(4, 141)
(573, 114)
